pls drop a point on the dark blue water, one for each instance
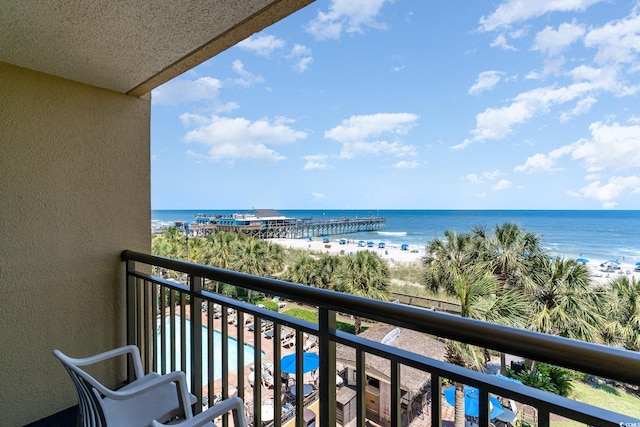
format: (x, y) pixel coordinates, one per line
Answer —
(596, 235)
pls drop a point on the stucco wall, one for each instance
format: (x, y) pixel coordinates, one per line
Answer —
(74, 192)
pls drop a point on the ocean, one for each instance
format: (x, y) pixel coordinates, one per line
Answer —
(595, 235)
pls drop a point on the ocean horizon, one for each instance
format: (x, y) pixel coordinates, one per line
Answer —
(592, 234)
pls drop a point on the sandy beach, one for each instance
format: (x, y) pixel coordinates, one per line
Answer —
(396, 256)
(390, 253)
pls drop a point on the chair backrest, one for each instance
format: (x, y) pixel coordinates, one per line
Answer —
(90, 412)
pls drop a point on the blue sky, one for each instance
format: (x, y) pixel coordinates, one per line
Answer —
(410, 104)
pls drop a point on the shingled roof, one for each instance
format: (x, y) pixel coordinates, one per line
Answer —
(264, 213)
(411, 379)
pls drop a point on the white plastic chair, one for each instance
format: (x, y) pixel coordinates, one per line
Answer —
(147, 398)
(233, 404)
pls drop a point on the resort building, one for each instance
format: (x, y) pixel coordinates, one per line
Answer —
(414, 383)
(75, 264)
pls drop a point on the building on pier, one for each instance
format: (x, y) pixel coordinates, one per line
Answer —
(271, 224)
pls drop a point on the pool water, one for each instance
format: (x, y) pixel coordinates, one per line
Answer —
(217, 352)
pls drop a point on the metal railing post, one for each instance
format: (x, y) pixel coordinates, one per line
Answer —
(195, 284)
(327, 353)
(131, 314)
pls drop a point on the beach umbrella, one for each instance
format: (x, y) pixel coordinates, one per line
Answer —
(638, 263)
(472, 401)
(614, 261)
(513, 380)
(583, 260)
(310, 362)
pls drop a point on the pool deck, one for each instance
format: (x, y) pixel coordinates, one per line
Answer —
(268, 393)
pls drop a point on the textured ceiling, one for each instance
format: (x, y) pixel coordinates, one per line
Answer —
(129, 46)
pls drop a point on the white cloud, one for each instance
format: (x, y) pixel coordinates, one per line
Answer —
(552, 42)
(501, 42)
(472, 178)
(515, 11)
(262, 45)
(486, 80)
(376, 148)
(612, 146)
(501, 185)
(302, 56)
(361, 127)
(492, 175)
(246, 78)
(239, 138)
(318, 197)
(545, 163)
(403, 164)
(303, 64)
(538, 163)
(582, 106)
(497, 123)
(358, 134)
(316, 161)
(617, 42)
(351, 16)
(177, 91)
(607, 192)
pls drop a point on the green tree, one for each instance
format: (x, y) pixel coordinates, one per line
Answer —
(444, 258)
(305, 270)
(563, 303)
(364, 274)
(256, 257)
(621, 309)
(455, 266)
(511, 252)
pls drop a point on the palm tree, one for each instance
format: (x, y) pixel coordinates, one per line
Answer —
(563, 303)
(511, 251)
(250, 256)
(328, 265)
(476, 290)
(364, 274)
(621, 309)
(455, 266)
(444, 257)
(305, 271)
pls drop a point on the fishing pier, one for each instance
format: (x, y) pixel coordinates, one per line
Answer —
(269, 224)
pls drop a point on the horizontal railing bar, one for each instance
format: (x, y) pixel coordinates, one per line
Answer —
(519, 392)
(610, 362)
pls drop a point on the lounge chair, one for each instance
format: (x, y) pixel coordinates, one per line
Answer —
(311, 342)
(287, 333)
(267, 380)
(290, 341)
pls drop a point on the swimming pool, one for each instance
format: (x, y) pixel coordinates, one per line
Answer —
(217, 352)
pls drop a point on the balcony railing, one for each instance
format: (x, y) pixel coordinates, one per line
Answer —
(165, 320)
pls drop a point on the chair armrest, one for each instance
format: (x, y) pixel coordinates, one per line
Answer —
(110, 354)
(234, 404)
(133, 390)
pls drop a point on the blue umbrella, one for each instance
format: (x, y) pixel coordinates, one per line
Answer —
(638, 263)
(513, 380)
(583, 260)
(613, 261)
(310, 362)
(472, 402)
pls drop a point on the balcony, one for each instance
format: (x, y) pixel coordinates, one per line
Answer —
(357, 379)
